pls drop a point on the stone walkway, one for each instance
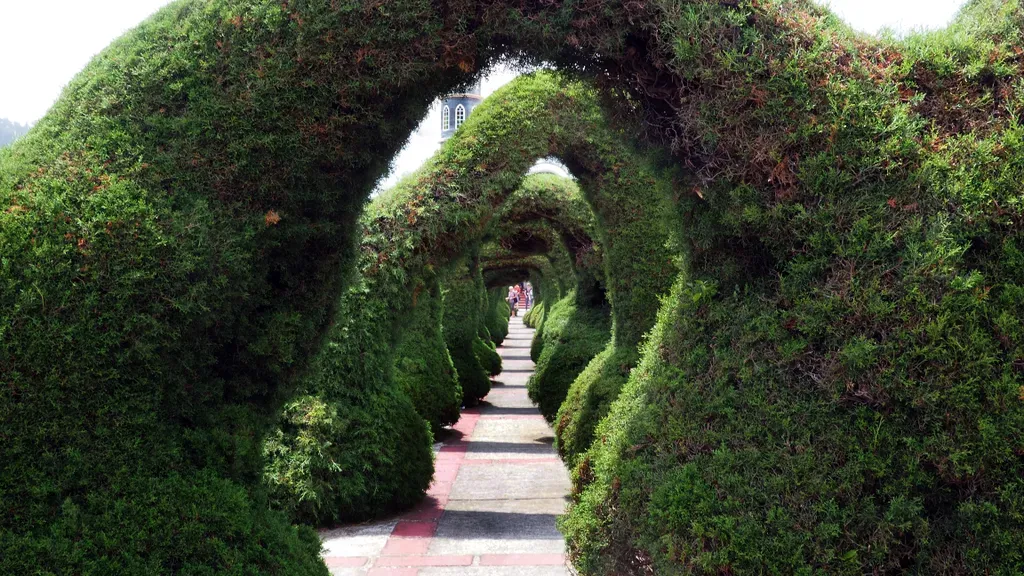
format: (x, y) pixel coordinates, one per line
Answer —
(498, 488)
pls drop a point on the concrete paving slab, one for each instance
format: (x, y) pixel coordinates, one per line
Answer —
(357, 540)
(510, 481)
(500, 527)
(514, 437)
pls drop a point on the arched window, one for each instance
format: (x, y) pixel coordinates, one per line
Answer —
(446, 118)
(460, 115)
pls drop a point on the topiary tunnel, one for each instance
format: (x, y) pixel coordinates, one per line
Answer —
(433, 220)
(833, 384)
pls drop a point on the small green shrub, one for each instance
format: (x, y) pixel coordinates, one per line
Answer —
(424, 367)
(589, 399)
(461, 333)
(497, 316)
(487, 356)
(572, 336)
(349, 461)
(353, 446)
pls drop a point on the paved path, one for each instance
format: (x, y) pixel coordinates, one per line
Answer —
(498, 487)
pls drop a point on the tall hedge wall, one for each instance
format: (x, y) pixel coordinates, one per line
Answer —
(832, 388)
(633, 229)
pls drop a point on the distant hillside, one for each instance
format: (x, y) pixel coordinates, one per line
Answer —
(10, 131)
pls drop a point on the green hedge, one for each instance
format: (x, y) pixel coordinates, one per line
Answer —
(497, 316)
(573, 334)
(199, 524)
(353, 446)
(424, 367)
(589, 398)
(461, 321)
(348, 461)
(831, 387)
(484, 347)
(635, 216)
(534, 317)
(488, 358)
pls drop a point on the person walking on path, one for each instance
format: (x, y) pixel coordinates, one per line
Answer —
(513, 300)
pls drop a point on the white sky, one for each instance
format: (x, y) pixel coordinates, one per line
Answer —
(43, 43)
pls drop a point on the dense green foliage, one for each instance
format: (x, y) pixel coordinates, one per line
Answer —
(497, 315)
(589, 398)
(833, 385)
(534, 317)
(199, 521)
(461, 331)
(424, 367)
(353, 445)
(484, 347)
(634, 219)
(572, 335)
(486, 355)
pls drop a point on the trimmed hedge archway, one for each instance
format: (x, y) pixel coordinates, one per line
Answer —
(834, 386)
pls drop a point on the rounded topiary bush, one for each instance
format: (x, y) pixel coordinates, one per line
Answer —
(460, 322)
(573, 334)
(485, 334)
(547, 290)
(348, 461)
(534, 317)
(537, 343)
(589, 398)
(497, 316)
(484, 346)
(424, 367)
(353, 446)
(488, 357)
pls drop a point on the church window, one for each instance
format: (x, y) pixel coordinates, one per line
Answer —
(446, 120)
(460, 115)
